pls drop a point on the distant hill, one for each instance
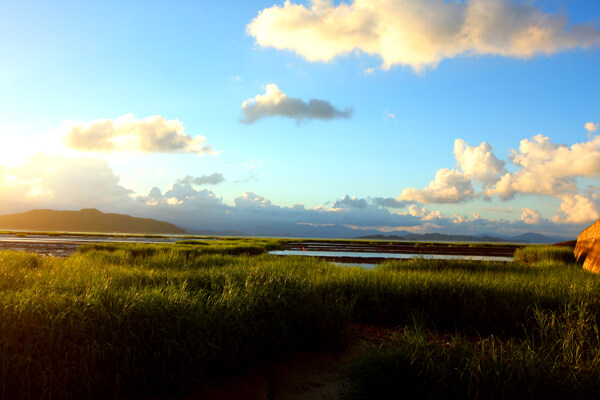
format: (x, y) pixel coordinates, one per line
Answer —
(86, 220)
(533, 237)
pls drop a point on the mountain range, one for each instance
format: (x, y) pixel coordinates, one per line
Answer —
(92, 220)
(338, 231)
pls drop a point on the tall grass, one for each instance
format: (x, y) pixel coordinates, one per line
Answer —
(137, 320)
(532, 254)
(416, 363)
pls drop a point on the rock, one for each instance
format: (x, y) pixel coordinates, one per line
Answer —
(587, 250)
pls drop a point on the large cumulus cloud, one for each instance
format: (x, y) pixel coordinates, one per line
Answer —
(475, 164)
(539, 167)
(417, 33)
(549, 168)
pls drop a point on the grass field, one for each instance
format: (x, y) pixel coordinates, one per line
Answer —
(133, 321)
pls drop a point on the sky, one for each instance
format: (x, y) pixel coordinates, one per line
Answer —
(466, 117)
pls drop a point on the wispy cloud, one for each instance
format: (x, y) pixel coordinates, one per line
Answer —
(153, 134)
(276, 103)
(417, 33)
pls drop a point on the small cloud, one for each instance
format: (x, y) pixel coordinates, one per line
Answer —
(423, 213)
(238, 78)
(369, 71)
(530, 216)
(591, 127)
(276, 103)
(153, 134)
(387, 116)
(350, 202)
(212, 179)
(252, 200)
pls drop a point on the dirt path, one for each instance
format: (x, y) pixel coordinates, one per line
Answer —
(314, 375)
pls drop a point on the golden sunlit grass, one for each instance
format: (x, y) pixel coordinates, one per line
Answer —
(119, 320)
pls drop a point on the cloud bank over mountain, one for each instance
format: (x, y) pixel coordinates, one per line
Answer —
(564, 174)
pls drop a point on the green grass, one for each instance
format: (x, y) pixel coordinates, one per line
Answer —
(127, 320)
(532, 254)
(415, 363)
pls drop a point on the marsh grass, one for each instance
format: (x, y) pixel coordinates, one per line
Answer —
(416, 363)
(129, 320)
(532, 254)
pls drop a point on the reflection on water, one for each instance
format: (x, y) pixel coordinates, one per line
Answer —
(85, 239)
(360, 265)
(354, 254)
(64, 246)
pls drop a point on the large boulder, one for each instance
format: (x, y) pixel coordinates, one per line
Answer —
(588, 248)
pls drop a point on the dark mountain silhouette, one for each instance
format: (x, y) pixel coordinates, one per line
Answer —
(86, 220)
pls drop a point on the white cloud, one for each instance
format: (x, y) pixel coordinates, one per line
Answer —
(456, 186)
(423, 213)
(575, 208)
(530, 216)
(417, 33)
(449, 186)
(478, 162)
(153, 134)
(183, 194)
(276, 103)
(591, 127)
(549, 168)
(251, 200)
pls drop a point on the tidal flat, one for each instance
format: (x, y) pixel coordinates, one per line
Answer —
(122, 320)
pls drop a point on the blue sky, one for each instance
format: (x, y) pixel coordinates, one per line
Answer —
(396, 84)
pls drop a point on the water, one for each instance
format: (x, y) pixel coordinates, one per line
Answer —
(354, 254)
(64, 246)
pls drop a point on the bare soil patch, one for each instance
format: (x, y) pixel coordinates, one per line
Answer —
(310, 375)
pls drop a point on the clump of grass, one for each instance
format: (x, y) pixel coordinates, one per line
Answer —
(559, 358)
(192, 242)
(533, 254)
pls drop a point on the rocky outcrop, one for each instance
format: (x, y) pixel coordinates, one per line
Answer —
(587, 250)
